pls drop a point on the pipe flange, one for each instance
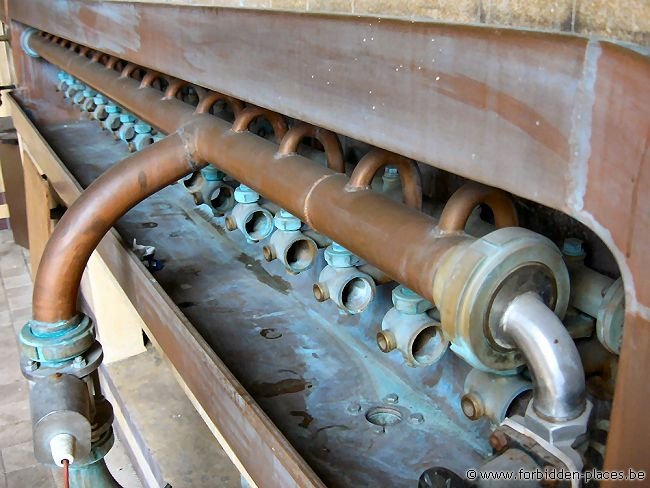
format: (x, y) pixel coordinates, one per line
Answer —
(475, 283)
(80, 366)
(296, 251)
(56, 345)
(611, 315)
(24, 42)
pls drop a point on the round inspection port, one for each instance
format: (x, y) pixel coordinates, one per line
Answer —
(300, 255)
(356, 295)
(222, 199)
(258, 225)
(383, 416)
(427, 346)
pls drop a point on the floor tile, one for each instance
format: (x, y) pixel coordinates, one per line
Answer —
(19, 457)
(36, 477)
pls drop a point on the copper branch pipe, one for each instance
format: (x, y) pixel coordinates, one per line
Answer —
(461, 204)
(328, 139)
(87, 221)
(245, 118)
(409, 174)
(210, 99)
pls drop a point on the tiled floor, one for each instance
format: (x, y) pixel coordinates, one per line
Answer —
(19, 468)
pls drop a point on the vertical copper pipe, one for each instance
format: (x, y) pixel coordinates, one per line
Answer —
(328, 139)
(409, 174)
(461, 204)
(87, 221)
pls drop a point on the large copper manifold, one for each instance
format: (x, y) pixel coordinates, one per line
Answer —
(406, 244)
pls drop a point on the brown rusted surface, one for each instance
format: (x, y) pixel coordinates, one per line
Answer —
(409, 174)
(461, 204)
(328, 139)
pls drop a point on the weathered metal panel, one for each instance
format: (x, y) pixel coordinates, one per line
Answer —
(462, 98)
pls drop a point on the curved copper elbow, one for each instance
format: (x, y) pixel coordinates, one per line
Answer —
(96, 56)
(328, 139)
(112, 61)
(173, 88)
(249, 114)
(84, 50)
(149, 78)
(409, 174)
(128, 70)
(461, 204)
(211, 98)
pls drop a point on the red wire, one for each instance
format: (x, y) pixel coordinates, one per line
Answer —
(66, 473)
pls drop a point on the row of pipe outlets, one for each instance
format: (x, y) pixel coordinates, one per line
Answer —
(123, 125)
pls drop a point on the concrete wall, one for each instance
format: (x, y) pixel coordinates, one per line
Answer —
(626, 20)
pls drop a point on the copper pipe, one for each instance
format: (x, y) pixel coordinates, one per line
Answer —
(87, 221)
(149, 78)
(461, 204)
(128, 70)
(83, 51)
(112, 61)
(248, 115)
(210, 99)
(409, 174)
(174, 87)
(96, 56)
(328, 139)
(315, 194)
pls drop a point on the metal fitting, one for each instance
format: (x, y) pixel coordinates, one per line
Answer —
(63, 342)
(64, 79)
(412, 331)
(573, 247)
(339, 257)
(126, 132)
(221, 197)
(556, 437)
(255, 222)
(143, 136)
(99, 113)
(296, 251)
(350, 289)
(212, 173)
(80, 97)
(60, 406)
(24, 42)
(408, 302)
(490, 395)
(74, 89)
(476, 282)
(112, 119)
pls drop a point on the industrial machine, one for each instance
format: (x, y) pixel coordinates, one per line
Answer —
(379, 252)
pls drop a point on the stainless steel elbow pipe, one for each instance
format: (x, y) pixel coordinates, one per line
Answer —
(552, 357)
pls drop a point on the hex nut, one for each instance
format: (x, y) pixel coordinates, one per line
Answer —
(339, 257)
(409, 302)
(244, 194)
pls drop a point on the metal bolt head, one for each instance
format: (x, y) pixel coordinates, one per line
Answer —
(244, 194)
(391, 398)
(210, 173)
(339, 257)
(99, 100)
(142, 128)
(127, 118)
(88, 93)
(409, 302)
(79, 362)
(391, 172)
(283, 220)
(113, 109)
(573, 247)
